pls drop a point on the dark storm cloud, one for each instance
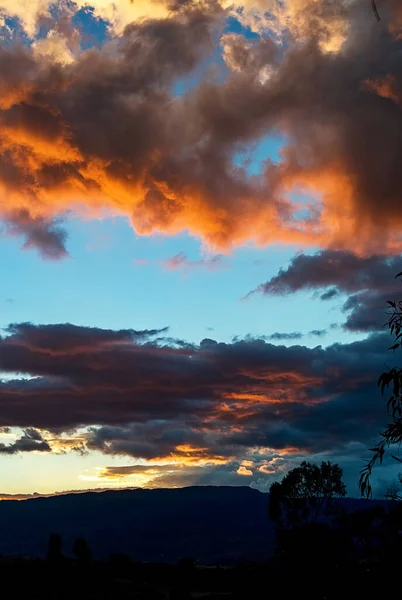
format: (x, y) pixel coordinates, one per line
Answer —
(211, 403)
(368, 282)
(342, 271)
(30, 441)
(153, 439)
(68, 338)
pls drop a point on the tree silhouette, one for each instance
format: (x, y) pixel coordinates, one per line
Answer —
(392, 378)
(82, 551)
(54, 548)
(305, 494)
(298, 505)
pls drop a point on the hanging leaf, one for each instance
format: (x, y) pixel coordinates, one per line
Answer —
(377, 16)
(392, 433)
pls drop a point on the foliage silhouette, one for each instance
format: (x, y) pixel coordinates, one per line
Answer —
(375, 10)
(392, 378)
(305, 494)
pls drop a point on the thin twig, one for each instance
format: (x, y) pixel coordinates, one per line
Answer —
(377, 16)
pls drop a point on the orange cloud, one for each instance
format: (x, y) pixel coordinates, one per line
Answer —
(187, 454)
(385, 87)
(104, 131)
(244, 471)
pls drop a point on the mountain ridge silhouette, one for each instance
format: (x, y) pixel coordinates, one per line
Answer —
(213, 524)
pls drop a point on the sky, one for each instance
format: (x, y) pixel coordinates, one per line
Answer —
(199, 231)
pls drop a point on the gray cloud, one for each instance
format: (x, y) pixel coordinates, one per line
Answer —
(46, 235)
(318, 332)
(30, 441)
(277, 336)
(368, 281)
(329, 294)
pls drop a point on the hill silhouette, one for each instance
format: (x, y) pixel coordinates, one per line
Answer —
(215, 525)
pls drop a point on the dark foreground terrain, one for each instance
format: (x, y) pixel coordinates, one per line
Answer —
(207, 543)
(215, 525)
(118, 579)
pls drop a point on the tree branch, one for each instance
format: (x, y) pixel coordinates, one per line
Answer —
(375, 11)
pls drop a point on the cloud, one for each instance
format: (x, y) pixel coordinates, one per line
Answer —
(47, 236)
(180, 261)
(209, 407)
(125, 471)
(368, 281)
(156, 439)
(296, 16)
(168, 161)
(179, 475)
(329, 294)
(30, 441)
(318, 332)
(171, 475)
(345, 270)
(66, 338)
(244, 471)
(117, 13)
(294, 335)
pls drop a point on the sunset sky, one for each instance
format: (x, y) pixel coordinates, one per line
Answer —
(199, 229)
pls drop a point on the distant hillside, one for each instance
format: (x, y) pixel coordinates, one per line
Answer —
(212, 524)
